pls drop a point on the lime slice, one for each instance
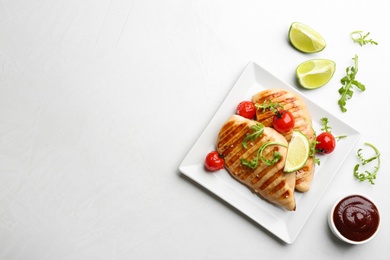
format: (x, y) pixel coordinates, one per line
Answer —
(315, 73)
(297, 152)
(305, 39)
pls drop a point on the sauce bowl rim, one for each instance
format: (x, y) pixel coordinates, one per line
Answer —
(334, 228)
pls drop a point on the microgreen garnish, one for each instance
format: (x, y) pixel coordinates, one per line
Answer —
(277, 155)
(367, 175)
(327, 128)
(258, 130)
(358, 37)
(255, 162)
(340, 137)
(348, 82)
(268, 104)
(324, 122)
(313, 150)
(313, 145)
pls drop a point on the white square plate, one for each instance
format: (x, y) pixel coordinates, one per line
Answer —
(284, 224)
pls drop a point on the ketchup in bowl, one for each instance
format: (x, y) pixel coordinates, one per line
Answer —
(356, 218)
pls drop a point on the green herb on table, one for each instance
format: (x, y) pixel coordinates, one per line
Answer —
(346, 91)
(361, 39)
(367, 175)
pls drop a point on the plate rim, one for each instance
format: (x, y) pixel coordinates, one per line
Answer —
(242, 204)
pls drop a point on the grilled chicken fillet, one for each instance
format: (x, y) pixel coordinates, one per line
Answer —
(270, 182)
(303, 123)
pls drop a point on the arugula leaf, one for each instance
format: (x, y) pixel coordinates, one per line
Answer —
(313, 145)
(255, 162)
(325, 122)
(251, 164)
(340, 137)
(327, 128)
(369, 176)
(358, 37)
(258, 130)
(268, 104)
(277, 155)
(313, 149)
(346, 91)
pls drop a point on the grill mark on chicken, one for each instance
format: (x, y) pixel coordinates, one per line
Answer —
(270, 182)
(229, 136)
(302, 118)
(286, 194)
(279, 186)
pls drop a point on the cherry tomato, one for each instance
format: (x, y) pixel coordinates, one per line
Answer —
(283, 121)
(214, 162)
(326, 143)
(246, 109)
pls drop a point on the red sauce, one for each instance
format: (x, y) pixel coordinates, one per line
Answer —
(356, 218)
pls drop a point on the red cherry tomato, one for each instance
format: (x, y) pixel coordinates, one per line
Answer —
(246, 109)
(214, 162)
(283, 121)
(326, 143)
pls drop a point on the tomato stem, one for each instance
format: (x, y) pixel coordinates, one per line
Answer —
(278, 114)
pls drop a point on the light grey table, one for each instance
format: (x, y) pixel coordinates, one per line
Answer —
(100, 101)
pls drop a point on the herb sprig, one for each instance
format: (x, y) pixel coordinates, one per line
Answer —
(340, 137)
(268, 104)
(313, 144)
(255, 162)
(258, 130)
(358, 37)
(325, 122)
(367, 175)
(346, 91)
(327, 128)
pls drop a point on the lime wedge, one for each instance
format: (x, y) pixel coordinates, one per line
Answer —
(315, 73)
(305, 39)
(297, 152)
